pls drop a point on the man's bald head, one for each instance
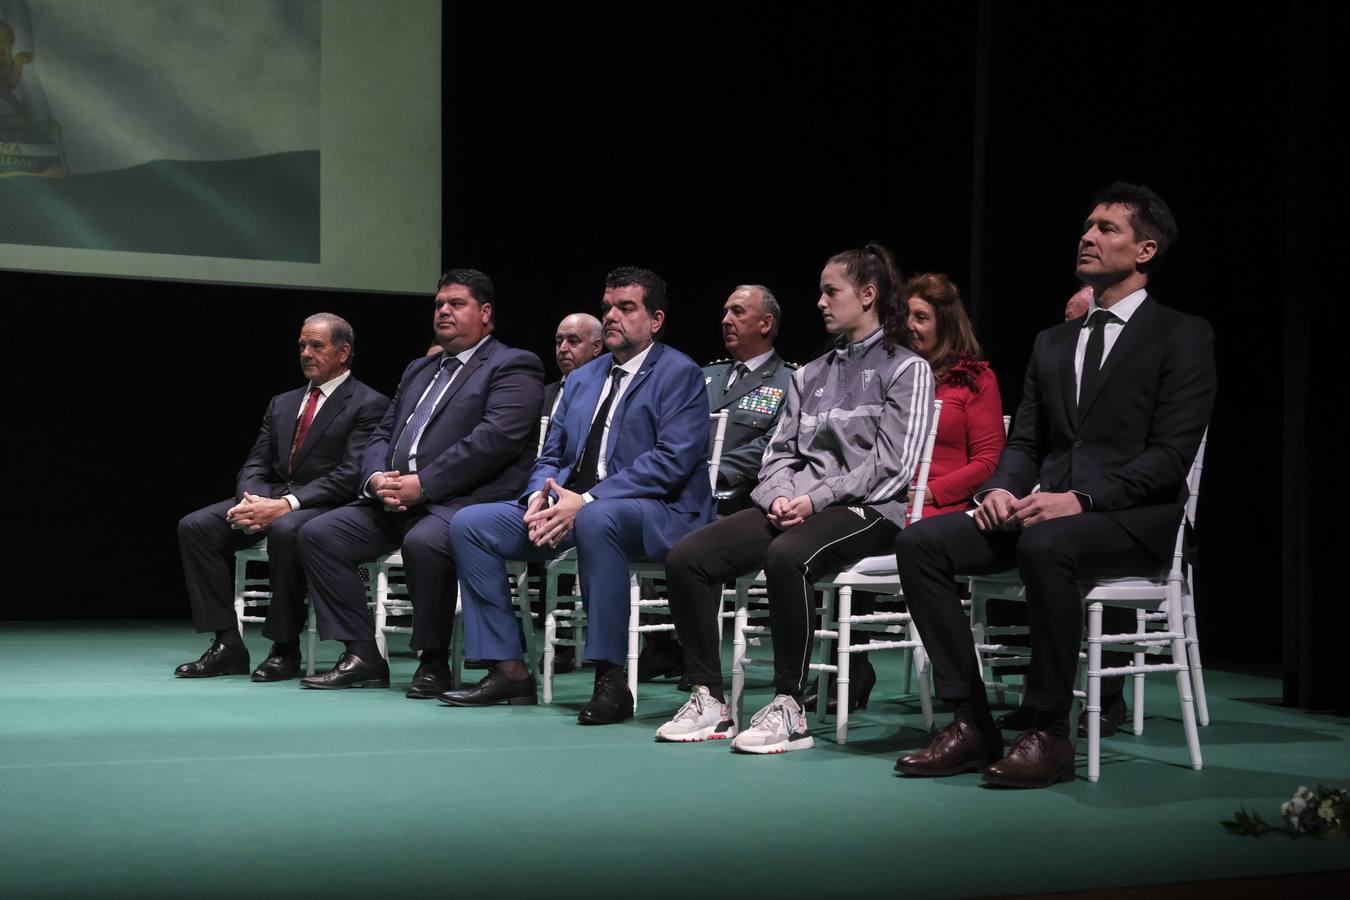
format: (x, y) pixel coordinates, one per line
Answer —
(577, 342)
(750, 321)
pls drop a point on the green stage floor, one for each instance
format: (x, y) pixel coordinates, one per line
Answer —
(118, 780)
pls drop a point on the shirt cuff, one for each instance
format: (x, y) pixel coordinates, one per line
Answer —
(365, 489)
(586, 497)
(293, 500)
(1085, 499)
(979, 497)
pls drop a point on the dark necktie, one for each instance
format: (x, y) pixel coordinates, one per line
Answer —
(586, 474)
(302, 429)
(737, 372)
(421, 415)
(1092, 360)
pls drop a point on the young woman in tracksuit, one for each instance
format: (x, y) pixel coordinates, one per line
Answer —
(832, 490)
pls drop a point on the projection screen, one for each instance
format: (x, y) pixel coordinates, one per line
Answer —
(278, 142)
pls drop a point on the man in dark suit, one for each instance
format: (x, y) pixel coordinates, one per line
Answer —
(576, 343)
(1112, 412)
(623, 476)
(751, 387)
(461, 430)
(306, 460)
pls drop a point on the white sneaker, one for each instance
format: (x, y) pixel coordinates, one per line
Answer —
(777, 728)
(702, 718)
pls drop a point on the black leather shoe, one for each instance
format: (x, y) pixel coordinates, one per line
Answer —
(430, 680)
(351, 671)
(219, 659)
(493, 689)
(280, 665)
(957, 748)
(611, 703)
(1114, 714)
(1038, 759)
(654, 664)
(564, 660)
(861, 681)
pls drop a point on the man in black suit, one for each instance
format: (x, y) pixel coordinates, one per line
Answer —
(306, 460)
(461, 430)
(576, 343)
(1112, 413)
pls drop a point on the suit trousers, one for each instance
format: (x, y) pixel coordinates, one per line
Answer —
(208, 544)
(607, 535)
(792, 560)
(335, 544)
(1051, 557)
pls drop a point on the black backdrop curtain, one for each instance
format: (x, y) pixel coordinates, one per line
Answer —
(1316, 621)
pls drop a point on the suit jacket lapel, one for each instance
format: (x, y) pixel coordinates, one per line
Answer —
(326, 414)
(583, 406)
(1134, 330)
(749, 382)
(1068, 382)
(626, 401)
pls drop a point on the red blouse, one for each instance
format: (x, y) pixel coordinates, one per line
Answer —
(970, 437)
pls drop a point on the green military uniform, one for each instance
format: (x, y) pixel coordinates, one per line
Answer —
(753, 405)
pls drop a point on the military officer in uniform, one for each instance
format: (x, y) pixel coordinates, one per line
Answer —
(751, 386)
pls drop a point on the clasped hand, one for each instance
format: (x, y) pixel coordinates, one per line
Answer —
(1001, 511)
(254, 513)
(547, 525)
(784, 513)
(397, 492)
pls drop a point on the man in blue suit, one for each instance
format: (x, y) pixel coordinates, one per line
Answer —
(623, 476)
(461, 430)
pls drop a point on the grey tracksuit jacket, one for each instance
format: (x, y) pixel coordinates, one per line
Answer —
(852, 430)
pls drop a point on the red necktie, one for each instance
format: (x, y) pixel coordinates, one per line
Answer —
(303, 428)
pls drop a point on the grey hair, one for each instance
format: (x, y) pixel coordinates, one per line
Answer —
(340, 331)
(770, 305)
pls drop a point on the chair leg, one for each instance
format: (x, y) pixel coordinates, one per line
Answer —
(634, 619)
(925, 687)
(738, 657)
(550, 635)
(381, 614)
(843, 658)
(1094, 691)
(522, 599)
(1193, 654)
(1140, 627)
(312, 626)
(1179, 656)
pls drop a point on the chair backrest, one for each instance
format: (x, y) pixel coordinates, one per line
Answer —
(915, 512)
(1192, 499)
(543, 435)
(719, 436)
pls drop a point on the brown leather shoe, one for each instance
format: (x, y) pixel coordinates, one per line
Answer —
(955, 749)
(1037, 759)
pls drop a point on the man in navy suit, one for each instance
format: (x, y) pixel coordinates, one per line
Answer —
(461, 430)
(306, 460)
(622, 477)
(1112, 412)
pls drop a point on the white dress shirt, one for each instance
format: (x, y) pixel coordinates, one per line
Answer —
(751, 365)
(632, 367)
(463, 356)
(325, 391)
(1122, 309)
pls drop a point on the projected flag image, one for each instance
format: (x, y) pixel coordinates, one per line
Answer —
(161, 126)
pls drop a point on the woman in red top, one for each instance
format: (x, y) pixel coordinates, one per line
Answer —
(970, 432)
